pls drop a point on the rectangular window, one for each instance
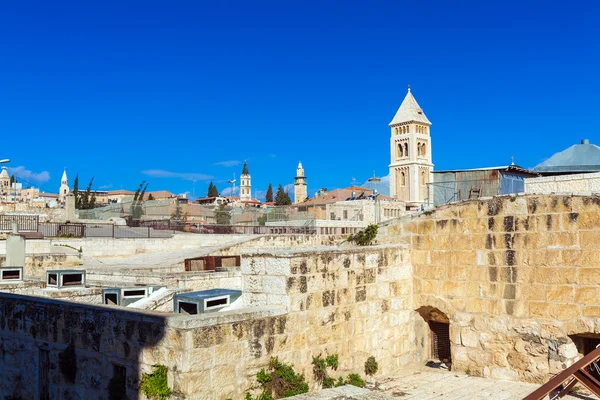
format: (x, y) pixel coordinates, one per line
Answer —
(216, 302)
(11, 274)
(345, 214)
(332, 216)
(72, 279)
(134, 293)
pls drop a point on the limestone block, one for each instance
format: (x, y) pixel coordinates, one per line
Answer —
(591, 311)
(253, 265)
(587, 295)
(564, 312)
(504, 373)
(589, 276)
(274, 284)
(568, 350)
(253, 283)
(199, 359)
(277, 266)
(469, 338)
(589, 239)
(560, 293)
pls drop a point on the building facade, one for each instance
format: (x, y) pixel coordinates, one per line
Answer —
(300, 190)
(245, 184)
(410, 153)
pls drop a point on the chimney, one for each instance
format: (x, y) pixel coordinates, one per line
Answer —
(585, 141)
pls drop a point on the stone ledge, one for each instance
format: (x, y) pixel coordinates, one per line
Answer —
(347, 392)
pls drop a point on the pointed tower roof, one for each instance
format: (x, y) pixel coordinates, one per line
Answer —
(4, 173)
(245, 170)
(64, 176)
(410, 111)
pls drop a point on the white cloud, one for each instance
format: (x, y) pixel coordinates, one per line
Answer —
(104, 187)
(27, 175)
(227, 191)
(186, 176)
(230, 163)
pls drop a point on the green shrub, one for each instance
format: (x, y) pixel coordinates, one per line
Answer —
(155, 385)
(371, 366)
(279, 381)
(365, 237)
(320, 366)
(355, 380)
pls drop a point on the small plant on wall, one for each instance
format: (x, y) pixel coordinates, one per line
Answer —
(365, 237)
(320, 372)
(279, 381)
(371, 366)
(155, 385)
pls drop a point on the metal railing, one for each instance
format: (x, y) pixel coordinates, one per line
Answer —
(58, 229)
(306, 229)
(26, 223)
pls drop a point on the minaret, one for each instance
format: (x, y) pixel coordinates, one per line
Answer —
(410, 147)
(245, 184)
(64, 187)
(300, 191)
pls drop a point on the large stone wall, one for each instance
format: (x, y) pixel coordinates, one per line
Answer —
(516, 276)
(355, 303)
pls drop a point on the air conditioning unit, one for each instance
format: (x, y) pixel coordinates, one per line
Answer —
(65, 278)
(127, 295)
(205, 301)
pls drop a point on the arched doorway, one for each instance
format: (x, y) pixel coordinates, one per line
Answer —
(433, 335)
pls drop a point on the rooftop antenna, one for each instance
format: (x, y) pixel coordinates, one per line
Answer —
(353, 181)
(513, 160)
(409, 87)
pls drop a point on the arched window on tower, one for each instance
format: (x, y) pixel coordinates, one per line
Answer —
(424, 150)
(403, 179)
(400, 152)
(405, 149)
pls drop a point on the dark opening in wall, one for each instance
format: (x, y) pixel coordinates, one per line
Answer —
(43, 375)
(216, 302)
(188, 308)
(110, 298)
(72, 279)
(586, 343)
(132, 293)
(11, 274)
(117, 387)
(440, 340)
(52, 279)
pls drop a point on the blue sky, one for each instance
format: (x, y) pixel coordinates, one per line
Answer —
(182, 92)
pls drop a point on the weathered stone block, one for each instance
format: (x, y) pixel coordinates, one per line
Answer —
(559, 293)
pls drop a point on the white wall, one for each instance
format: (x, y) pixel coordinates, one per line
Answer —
(576, 183)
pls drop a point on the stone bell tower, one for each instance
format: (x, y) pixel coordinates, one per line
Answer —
(245, 184)
(411, 168)
(300, 190)
(64, 187)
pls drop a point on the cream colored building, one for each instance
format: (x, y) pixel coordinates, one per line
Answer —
(300, 190)
(410, 150)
